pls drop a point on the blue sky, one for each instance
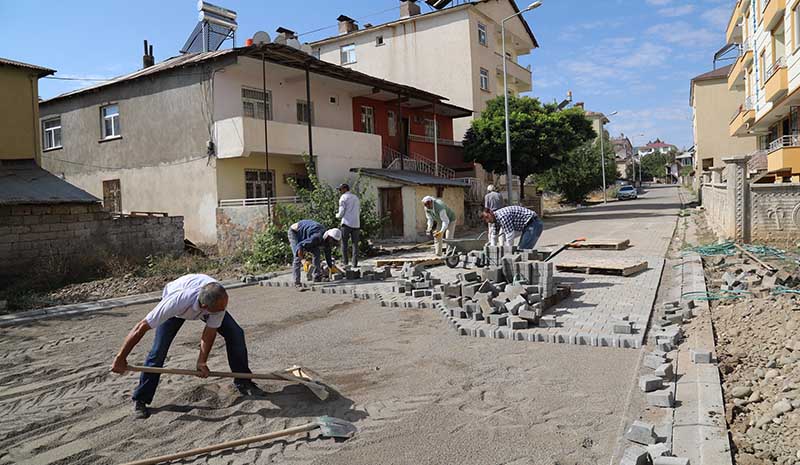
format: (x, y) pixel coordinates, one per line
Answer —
(631, 56)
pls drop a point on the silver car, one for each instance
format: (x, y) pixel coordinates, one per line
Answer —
(627, 192)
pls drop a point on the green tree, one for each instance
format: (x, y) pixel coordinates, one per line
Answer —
(541, 136)
(580, 172)
(655, 165)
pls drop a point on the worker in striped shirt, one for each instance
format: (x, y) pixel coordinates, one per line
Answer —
(513, 221)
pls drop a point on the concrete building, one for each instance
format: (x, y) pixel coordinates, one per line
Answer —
(186, 136)
(711, 101)
(656, 146)
(623, 154)
(19, 92)
(767, 73)
(455, 51)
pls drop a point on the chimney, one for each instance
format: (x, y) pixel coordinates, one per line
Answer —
(148, 59)
(579, 105)
(408, 8)
(284, 35)
(346, 24)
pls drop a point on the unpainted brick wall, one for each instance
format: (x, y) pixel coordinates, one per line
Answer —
(34, 233)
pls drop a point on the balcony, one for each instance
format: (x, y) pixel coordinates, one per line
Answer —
(784, 155)
(742, 119)
(734, 32)
(777, 82)
(773, 13)
(518, 76)
(736, 76)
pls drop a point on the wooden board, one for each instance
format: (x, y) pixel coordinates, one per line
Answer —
(399, 262)
(603, 244)
(603, 267)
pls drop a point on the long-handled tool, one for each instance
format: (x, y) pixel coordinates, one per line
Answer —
(564, 247)
(294, 374)
(328, 426)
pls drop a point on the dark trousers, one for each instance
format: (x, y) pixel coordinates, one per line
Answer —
(166, 332)
(349, 233)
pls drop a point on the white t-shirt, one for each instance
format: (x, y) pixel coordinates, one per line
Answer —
(179, 299)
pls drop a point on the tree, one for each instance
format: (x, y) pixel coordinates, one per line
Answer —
(580, 172)
(541, 136)
(655, 165)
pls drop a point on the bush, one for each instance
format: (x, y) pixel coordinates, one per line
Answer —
(320, 203)
(580, 173)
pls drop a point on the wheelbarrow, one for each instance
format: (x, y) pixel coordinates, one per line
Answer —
(459, 249)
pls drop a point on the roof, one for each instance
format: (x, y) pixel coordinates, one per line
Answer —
(283, 55)
(24, 182)
(432, 13)
(719, 73)
(40, 71)
(596, 115)
(411, 178)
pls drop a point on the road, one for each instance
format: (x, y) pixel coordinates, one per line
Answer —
(417, 392)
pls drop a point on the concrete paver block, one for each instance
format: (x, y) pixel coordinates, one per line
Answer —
(671, 461)
(653, 361)
(641, 433)
(665, 371)
(634, 455)
(548, 321)
(657, 450)
(661, 398)
(701, 356)
(622, 327)
(497, 319)
(650, 383)
(516, 322)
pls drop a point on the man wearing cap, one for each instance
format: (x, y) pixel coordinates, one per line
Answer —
(437, 211)
(349, 212)
(515, 220)
(493, 201)
(308, 236)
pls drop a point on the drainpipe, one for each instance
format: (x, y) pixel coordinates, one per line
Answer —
(308, 119)
(435, 142)
(266, 139)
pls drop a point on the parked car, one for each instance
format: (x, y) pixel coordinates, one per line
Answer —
(627, 192)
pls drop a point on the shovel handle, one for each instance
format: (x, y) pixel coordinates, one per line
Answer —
(226, 445)
(213, 374)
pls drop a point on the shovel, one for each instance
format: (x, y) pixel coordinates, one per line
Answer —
(328, 426)
(294, 374)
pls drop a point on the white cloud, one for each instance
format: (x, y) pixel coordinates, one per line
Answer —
(718, 17)
(659, 2)
(676, 11)
(685, 34)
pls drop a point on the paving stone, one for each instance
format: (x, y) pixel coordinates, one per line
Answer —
(515, 304)
(649, 383)
(658, 450)
(634, 455)
(701, 356)
(437, 295)
(418, 293)
(623, 327)
(653, 361)
(661, 398)
(477, 316)
(469, 289)
(497, 319)
(471, 276)
(487, 287)
(452, 289)
(641, 433)
(516, 322)
(531, 315)
(665, 371)
(548, 321)
(671, 461)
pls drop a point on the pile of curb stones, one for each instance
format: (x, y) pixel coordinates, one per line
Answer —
(736, 274)
(365, 272)
(648, 447)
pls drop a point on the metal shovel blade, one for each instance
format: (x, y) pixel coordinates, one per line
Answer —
(335, 428)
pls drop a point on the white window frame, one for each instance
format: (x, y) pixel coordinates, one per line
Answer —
(367, 119)
(347, 54)
(484, 79)
(261, 185)
(430, 126)
(249, 97)
(116, 129)
(301, 113)
(483, 36)
(391, 118)
(51, 134)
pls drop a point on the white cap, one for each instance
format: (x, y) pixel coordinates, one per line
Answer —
(490, 188)
(334, 234)
(427, 199)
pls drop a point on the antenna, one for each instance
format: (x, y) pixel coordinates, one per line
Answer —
(261, 37)
(216, 25)
(438, 4)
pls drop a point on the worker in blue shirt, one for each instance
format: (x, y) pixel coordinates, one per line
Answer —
(308, 236)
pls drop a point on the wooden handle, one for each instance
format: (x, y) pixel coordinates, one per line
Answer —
(214, 374)
(226, 445)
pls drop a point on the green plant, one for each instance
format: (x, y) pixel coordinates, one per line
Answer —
(580, 172)
(319, 203)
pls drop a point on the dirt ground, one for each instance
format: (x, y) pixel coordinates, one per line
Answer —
(417, 392)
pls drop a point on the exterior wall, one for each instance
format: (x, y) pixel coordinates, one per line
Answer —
(415, 121)
(237, 226)
(713, 106)
(452, 196)
(715, 201)
(19, 122)
(230, 174)
(776, 213)
(80, 234)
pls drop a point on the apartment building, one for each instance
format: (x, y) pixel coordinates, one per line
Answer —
(623, 153)
(187, 136)
(712, 101)
(455, 51)
(768, 71)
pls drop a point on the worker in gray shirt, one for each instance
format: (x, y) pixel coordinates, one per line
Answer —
(349, 213)
(493, 201)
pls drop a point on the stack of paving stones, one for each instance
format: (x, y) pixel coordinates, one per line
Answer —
(648, 447)
(417, 285)
(362, 273)
(741, 276)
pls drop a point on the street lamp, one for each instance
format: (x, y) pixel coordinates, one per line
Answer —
(530, 7)
(603, 155)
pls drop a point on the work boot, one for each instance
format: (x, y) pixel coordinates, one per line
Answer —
(140, 410)
(249, 388)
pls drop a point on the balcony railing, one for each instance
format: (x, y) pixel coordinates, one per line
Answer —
(779, 64)
(394, 160)
(429, 139)
(746, 106)
(258, 202)
(750, 103)
(792, 140)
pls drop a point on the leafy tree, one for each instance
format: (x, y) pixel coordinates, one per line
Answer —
(320, 203)
(580, 172)
(541, 136)
(654, 165)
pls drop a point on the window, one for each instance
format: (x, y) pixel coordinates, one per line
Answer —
(348, 54)
(109, 123)
(796, 27)
(378, 41)
(482, 35)
(429, 128)
(762, 63)
(368, 120)
(257, 185)
(391, 117)
(51, 133)
(253, 103)
(484, 79)
(302, 108)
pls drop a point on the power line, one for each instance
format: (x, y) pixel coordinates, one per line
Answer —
(89, 165)
(357, 19)
(58, 78)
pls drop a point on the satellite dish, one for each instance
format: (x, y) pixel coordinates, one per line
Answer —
(261, 37)
(280, 39)
(294, 43)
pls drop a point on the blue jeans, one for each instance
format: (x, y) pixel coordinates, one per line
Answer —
(531, 234)
(234, 346)
(297, 264)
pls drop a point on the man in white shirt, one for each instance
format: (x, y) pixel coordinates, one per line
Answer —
(191, 297)
(350, 214)
(436, 211)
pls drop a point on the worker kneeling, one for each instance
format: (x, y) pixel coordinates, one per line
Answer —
(515, 220)
(437, 211)
(308, 236)
(191, 297)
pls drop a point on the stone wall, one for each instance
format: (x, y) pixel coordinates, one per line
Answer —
(80, 233)
(715, 201)
(776, 213)
(237, 226)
